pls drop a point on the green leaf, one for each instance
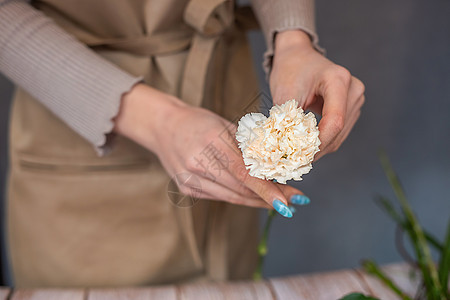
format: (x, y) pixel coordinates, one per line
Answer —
(387, 206)
(357, 296)
(426, 264)
(444, 265)
(371, 267)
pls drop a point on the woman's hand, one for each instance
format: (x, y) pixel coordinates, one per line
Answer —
(299, 72)
(196, 141)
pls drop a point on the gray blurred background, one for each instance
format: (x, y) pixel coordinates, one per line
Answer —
(401, 51)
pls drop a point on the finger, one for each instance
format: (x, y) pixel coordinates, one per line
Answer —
(294, 195)
(349, 128)
(267, 190)
(354, 103)
(249, 202)
(334, 90)
(223, 160)
(216, 169)
(232, 183)
(213, 190)
(357, 89)
(225, 178)
(344, 134)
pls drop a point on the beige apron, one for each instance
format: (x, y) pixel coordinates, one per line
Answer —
(75, 219)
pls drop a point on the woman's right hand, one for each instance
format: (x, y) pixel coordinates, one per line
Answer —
(197, 141)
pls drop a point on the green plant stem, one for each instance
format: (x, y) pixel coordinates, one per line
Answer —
(444, 265)
(371, 267)
(386, 204)
(428, 269)
(262, 246)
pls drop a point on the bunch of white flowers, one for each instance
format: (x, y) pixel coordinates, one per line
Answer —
(280, 147)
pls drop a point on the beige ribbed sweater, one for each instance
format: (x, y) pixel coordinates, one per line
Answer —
(82, 88)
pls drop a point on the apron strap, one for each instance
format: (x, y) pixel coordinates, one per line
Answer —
(194, 78)
(217, 248)
(210, 19)
(161, 43)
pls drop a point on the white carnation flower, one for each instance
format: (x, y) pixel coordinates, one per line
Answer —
(280, 147)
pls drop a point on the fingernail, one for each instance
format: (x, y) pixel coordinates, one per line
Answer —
(292, 209)
(281, 208)
(300, 199)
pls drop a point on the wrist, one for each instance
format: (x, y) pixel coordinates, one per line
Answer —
(143, 113)
(289, 39)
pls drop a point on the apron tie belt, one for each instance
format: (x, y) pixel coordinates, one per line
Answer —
(210, 19)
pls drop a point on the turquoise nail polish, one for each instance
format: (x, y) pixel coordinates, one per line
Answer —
(281, 208)
(300, 199)
(293, 209)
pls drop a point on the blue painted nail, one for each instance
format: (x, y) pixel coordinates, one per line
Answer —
(281, 208)
(293, 209)
(300, 199)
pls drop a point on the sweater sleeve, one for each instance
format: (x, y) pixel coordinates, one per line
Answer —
(71, 80)
(281, 15)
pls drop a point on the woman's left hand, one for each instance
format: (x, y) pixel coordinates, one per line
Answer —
(300, 72)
